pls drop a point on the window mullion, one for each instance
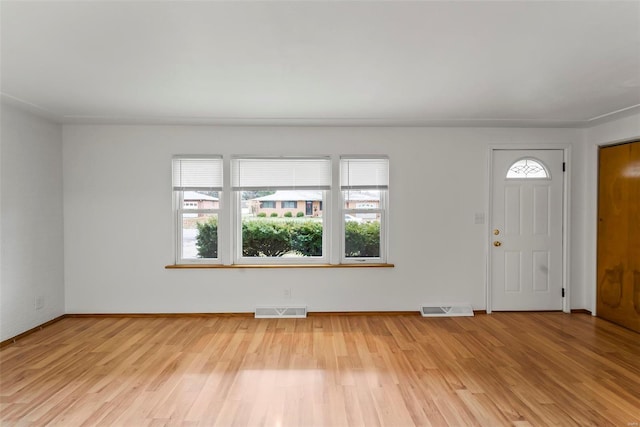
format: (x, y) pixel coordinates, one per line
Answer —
(336, 240)
(177, 220)
(226, 242)
(237, 227)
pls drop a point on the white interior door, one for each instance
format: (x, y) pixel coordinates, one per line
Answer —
(526, 255)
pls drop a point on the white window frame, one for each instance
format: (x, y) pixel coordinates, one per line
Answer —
(239, 259)
(229, 215)
(382, 210)
(180, 211)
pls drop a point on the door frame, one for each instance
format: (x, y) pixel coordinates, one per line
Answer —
(566, 214)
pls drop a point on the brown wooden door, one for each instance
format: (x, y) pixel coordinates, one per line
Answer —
(619, 235)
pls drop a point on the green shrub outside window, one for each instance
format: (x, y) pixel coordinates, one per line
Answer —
(266, 238)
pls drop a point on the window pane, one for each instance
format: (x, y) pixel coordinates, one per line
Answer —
(527, 168)
(361, 199)
(200, 200)
(267, 205)
(271, 230)
(361, 237)
(272, 203)
(199, 235)
(289, 204)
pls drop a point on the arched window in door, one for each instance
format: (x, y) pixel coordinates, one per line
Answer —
(527, 168)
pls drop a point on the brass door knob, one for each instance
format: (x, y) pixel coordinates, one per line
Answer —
(497, 243)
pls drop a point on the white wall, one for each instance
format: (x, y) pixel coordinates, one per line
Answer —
(31, 236)
(119, 222)
(624, 129)
(119, 228)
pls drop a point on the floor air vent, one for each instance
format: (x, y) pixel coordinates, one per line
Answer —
(446, 310)
(280, 312)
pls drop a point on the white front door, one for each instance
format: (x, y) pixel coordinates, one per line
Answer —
(526, 258)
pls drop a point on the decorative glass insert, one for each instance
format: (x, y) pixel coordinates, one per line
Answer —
(527, 168)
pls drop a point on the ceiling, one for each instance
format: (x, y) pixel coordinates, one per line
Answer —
(520, 63)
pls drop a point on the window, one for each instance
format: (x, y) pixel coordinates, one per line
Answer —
(280, 210)
(527, 168)
(364, 183)
(197, 184)
(268, 204)
(289, 205)
(279, 237)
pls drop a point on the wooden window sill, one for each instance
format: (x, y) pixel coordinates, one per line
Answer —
(236, 266)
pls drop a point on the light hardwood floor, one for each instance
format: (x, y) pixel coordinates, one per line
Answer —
(518, 369)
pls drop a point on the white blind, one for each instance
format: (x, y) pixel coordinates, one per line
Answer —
(281, 173)
(197, 173)
(364, 173)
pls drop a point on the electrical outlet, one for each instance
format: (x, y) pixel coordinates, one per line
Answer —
(287, 293)
(39, 302)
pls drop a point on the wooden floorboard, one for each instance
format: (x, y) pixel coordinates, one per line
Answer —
(520, 369)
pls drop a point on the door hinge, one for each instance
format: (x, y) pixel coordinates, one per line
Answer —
(564, 167)
(562, 292)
